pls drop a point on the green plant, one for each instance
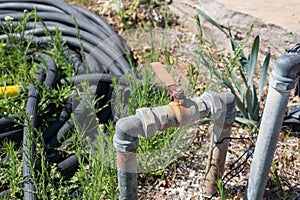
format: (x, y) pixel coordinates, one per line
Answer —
(96, 177)
(11, 169)
(238, 72)
(221, 190)
(157, 152)
(277, 178)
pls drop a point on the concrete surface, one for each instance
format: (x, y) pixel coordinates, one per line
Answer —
(283, 13)
(275, 21)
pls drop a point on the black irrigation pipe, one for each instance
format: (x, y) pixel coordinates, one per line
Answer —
(61, 120)
(94, 78)
(98, 56)
(11, 134)
(49, 64)
(28, 138)
(84, 26)
(8, 122)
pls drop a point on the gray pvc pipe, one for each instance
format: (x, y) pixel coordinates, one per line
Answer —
(266, 143)
(282, 80)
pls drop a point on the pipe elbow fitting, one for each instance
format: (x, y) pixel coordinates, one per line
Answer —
(221, 107)
(283, 76)
(230, 106)
(126, 136)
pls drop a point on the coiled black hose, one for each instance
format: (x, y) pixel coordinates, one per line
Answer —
(28, 135)
(105, 58)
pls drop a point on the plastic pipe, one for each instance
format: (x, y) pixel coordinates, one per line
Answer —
(8, 122)
(105, 51)
(28, 139)
(282, 81)
(147, 121)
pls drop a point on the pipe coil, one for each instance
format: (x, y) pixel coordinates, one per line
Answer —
(106, 58)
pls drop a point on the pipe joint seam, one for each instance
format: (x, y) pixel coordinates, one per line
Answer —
(221, 107)
(127, 130)
(284, 74)
(123, 145)
(280, 83)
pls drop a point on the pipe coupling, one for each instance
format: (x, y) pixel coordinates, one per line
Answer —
(149, 121)
(215, 106)
(284, 74)
(126, 137)
(221, 107)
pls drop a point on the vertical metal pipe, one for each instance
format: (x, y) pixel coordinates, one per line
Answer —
(127, 175)
(224, 105)
(216, 160)
(266, 143)
(282, 81)
(126, 141)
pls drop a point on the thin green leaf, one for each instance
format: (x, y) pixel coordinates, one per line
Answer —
(263, 75)
(213, 22)
(233, 42)
(236, 82)
(254, 96)
(249, 103)
(245, 121)
(253, 60)
(242, 73)
(276, 176)
(200, 32)
(241, 107)
(255, 104)
(239, 102)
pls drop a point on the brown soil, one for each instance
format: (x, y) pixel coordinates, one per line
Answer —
(183, 179)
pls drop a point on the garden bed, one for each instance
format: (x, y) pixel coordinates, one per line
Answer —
(169, 34)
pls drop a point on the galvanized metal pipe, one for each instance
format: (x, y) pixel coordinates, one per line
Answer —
(220, 133)
(216, 161)
(126, 141)
(282, 81)
(147, 121)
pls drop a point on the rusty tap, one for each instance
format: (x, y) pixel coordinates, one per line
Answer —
(175, 92)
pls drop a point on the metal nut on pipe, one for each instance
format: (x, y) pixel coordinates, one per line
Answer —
(166, 117)
(150, 124)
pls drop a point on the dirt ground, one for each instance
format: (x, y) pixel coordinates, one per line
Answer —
(183, 180)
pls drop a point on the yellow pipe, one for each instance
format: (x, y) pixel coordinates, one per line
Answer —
(10, 91)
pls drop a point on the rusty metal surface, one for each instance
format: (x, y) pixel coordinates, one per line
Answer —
(175, 92)
(181, 113)
(162, 73)
(127, 161)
